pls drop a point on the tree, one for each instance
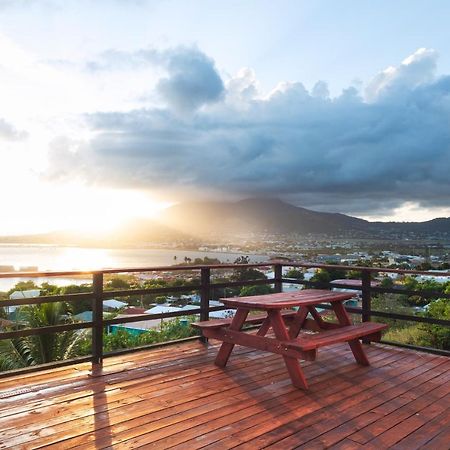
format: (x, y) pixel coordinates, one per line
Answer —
(50, 289)
(78, 306)
(246, 273)
(260, 289)
(206, 261)
(439, 336)
(295, 273)
(44, 348)
(327, 275)
(387, 283)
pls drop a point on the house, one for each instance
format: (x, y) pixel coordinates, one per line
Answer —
(161, 309)
(135, 328)
(189, 307)
(18, 295)
(225, 314)
(85, 316)
(112, 304)
(213, 303)
(30, 293)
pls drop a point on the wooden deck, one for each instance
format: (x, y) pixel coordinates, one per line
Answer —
(174, 397)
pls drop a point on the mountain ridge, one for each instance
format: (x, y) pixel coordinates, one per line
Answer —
(194, 220)
(276, 216)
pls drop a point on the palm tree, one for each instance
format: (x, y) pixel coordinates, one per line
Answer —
(44, 348)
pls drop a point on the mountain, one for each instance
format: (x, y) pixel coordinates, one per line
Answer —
(257, 215)
(275, 216)
(439, 225)
(195, 221)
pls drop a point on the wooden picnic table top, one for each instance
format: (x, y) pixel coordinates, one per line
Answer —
(305, 297)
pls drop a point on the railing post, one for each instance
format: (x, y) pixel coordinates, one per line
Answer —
(366, 298)
(278, 275)
(205, 294)
(97, 319)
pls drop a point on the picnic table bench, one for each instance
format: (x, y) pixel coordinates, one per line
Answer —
(287, 325)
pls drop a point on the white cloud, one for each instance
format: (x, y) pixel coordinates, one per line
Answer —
(415, 70)
(340, 153)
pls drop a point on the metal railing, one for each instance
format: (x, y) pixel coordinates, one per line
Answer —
(205, 288)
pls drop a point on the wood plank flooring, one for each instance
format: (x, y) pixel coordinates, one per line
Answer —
(174, 397)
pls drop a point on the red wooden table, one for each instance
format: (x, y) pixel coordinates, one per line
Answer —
(286, 326)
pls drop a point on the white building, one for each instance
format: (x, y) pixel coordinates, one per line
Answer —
(112, 304)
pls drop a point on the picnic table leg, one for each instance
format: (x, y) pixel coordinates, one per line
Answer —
(226, 348)
(316, 316)
(264, 328)
(298, 322)
(355, 345)
(292, 364)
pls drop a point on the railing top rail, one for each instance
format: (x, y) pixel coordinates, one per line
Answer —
(50, 273)
(368, 269)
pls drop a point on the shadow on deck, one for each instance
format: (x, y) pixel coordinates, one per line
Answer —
(174, 397)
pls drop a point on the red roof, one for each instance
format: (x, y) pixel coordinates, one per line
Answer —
(133, 310)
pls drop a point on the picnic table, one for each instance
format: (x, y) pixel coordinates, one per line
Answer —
(286, 324)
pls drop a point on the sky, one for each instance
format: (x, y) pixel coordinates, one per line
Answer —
(116, 109)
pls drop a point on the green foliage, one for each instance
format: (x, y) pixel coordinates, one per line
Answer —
(412, 334)
(387, 282)
(261, 289)
(76, 288)
(354, 274)
(246, 273)
(206, 261)
(78, 306)
(424, 266)
(438, 336)
(170, 330)
(425, 335)
(410, 283)
(32, 350)
(117, 283)
(49, 289)
(242, 260)
(427, 286)
(295, 273)
(327, 275)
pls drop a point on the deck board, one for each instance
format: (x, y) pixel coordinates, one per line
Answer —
(175, 397)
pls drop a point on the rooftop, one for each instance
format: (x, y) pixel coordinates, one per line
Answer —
(174, 397)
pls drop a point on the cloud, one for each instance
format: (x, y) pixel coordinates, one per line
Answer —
(192, 80)
(350, 153)
(10, 133)
(417, 69)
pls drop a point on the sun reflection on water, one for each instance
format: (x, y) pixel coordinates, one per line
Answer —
(73, 258)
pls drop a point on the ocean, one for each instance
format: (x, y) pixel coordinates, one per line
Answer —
(61, 258)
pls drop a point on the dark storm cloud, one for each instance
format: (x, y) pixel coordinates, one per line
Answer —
(192, 81)
(191, 78)
(349, 153)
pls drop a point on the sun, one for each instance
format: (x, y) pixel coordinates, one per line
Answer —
(104, 210)
(45, 207)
